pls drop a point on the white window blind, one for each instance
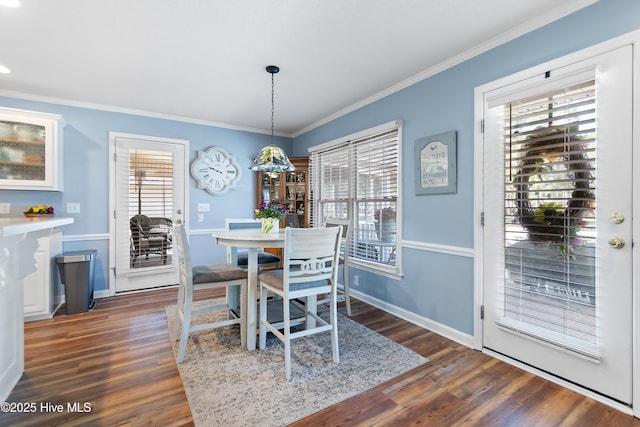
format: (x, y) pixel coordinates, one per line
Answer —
(549, 207)
(358, 179)
(145, 179)
(151, 183)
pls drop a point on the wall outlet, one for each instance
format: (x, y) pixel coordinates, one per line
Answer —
(73, 208)
(356, 280)
(200, 217)
(204, 207)
(5, 208)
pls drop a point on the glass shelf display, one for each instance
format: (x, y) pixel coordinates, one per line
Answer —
(29, 151)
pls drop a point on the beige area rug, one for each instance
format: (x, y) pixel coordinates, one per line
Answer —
(228, 386)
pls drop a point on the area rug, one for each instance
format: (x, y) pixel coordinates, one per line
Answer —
(228, 386)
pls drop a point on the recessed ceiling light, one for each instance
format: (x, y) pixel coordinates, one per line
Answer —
(9, 3)
(4, 70)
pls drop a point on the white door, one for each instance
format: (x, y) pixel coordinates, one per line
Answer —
(149, 190)
(557, 208)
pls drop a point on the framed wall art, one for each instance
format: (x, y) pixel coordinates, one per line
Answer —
(436, 164)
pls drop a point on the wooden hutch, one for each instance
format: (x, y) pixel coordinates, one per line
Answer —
(291, 188)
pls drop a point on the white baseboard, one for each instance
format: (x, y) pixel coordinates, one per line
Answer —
(438, 328)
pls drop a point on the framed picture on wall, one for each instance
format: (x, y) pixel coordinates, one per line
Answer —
(435, 164)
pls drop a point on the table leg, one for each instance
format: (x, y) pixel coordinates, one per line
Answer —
(252, 298)
(233, 295)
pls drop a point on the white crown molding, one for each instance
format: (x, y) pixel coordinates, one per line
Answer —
(143, 113)
(522, 28)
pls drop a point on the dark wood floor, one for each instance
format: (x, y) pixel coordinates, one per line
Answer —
(117, 359)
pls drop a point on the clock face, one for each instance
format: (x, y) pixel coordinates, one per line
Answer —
(215, 170)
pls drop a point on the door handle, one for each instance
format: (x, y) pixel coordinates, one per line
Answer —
(178, 221)
(616, 218)
(616, 243)
(179, 211)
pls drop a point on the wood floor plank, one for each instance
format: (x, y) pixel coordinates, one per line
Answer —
(118, 358)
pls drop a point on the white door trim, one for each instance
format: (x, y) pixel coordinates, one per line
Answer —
(632, 39)
(112, 193)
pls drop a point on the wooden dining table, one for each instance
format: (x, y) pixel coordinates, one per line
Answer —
(253, 240)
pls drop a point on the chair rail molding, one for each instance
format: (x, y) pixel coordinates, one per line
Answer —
(442, 249)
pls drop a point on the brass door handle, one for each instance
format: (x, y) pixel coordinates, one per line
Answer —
(616, 218)
(616, 243)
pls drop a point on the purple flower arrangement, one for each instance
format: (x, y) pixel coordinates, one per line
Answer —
(271, 210)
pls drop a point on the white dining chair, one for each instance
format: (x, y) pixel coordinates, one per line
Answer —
(265, 259)
(310, 268)
(193, 278)
(345, 243)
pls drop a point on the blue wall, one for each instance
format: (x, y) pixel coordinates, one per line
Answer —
(435, 285)
(86, 176)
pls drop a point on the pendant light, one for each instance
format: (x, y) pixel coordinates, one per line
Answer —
(272, 158)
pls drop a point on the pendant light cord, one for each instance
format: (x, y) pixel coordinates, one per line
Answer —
(272, 69)
(272, 105)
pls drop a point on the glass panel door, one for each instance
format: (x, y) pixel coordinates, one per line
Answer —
(557, 201)
(149, 198)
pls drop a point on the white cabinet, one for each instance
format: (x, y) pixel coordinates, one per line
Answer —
(42, 288)
(30, 150)
(18, 244)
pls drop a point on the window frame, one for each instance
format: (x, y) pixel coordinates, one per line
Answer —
(389, 260)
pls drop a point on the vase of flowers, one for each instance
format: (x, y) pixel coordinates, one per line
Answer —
(39, 211)
(385, 222)
(270, 214)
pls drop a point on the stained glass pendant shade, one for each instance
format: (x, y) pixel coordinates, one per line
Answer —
(272, 158)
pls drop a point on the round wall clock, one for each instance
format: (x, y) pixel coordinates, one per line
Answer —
(215, 170)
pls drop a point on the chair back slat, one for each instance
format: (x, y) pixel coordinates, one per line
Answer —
(241, 224)
(346, 232)
(310, 269)
(310, 254)
(184, 256)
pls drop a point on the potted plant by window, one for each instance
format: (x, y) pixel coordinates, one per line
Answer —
(270, 214)
(385, 222)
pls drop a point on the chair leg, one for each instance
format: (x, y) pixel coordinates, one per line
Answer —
(333, 318)
(311, 307)
(287, 338)
(347, 296)
(243, 314)
(186, 326)
(179, 315)
(262, 339)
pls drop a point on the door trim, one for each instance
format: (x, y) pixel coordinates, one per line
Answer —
(112, 194)
(632, 39)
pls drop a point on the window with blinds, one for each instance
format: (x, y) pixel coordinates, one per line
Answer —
(550, 205)
(151, 183)
(150, 197)
(357, 178)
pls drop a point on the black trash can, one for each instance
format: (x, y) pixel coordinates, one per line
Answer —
(76, 273)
